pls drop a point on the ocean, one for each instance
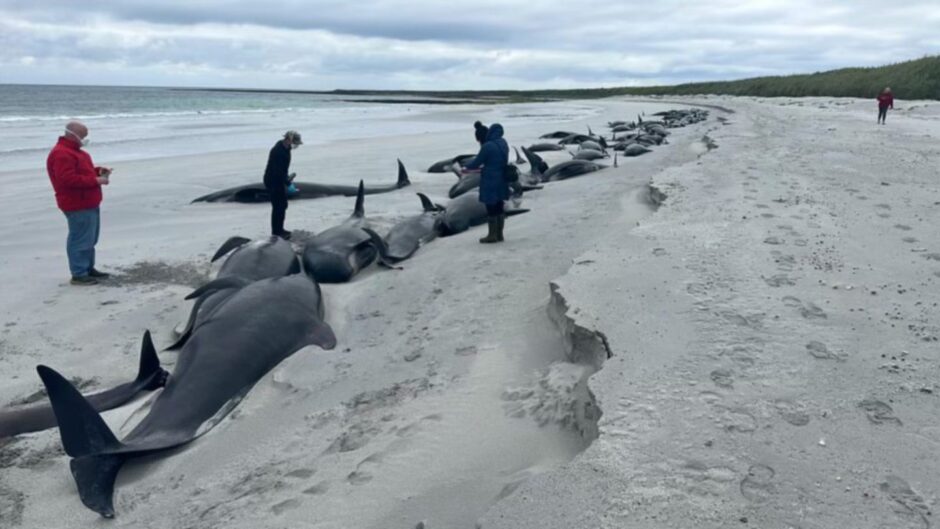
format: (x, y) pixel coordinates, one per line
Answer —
(132, 123)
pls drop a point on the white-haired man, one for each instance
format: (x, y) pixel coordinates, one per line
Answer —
(77, 183)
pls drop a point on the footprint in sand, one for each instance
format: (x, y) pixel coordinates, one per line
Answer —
(722, 378)
(792, 412)
(807, 309)
(932, 256)
(903, 227)
(878, 412)
(12, 504)
(885, 215)
(301, 473)
(753, 321)
(819, 351)
(774, 240)
(284, 506)
(811, 311)
(906, 501)
(757, 485)
(779, 280)
(909, 240)
(883, 206)
(767, 215)
(737, 420)
(362, 475)
(319, 488)
(785, 263)
(355, 438)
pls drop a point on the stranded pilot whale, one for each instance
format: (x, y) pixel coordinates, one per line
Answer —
(150, 376)
(337, 254)
(404, 239)
(247, 261)
(252, 193)
(248, 335)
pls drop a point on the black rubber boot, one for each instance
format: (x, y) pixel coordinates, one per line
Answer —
(500, 223)
(491, 236)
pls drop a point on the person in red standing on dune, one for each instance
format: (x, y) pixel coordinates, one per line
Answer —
(885, 101)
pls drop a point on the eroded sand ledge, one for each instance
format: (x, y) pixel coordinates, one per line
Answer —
(773, 331)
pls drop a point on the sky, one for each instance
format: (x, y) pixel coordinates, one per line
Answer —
(450, 44)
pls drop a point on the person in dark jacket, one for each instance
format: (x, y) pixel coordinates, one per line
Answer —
(885, 101)
(77, 183)
(494, 190)
(277, 179)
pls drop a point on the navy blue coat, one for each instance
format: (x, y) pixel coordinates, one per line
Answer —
(493, 156)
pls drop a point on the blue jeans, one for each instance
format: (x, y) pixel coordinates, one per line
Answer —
(83, 235)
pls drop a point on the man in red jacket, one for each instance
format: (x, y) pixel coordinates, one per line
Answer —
(77, 183)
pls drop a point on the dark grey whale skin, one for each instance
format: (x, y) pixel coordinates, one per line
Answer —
(150, 376)
(249, 334)
(256, 193)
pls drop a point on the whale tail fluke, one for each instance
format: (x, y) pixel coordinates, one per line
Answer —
(83, 431)
(519, 160)
(360, 210)
(87, 439)
(94, 476)
(228, 246)
(535, 162)
(403, 180)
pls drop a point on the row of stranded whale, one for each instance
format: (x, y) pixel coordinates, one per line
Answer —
(265, 304)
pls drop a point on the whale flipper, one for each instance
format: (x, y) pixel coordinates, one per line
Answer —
(228, 246)
(381, 247)
(218, 284)
(322, 335)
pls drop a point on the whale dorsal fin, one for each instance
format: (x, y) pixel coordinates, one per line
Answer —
(402, 175)
(359, 210)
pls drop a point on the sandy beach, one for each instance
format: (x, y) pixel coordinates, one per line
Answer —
(757, 349)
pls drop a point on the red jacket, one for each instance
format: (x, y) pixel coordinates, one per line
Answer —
(886, 99)
(74, 177)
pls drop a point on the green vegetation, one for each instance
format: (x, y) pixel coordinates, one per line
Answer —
(917, 79)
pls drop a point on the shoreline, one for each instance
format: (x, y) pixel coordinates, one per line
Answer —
(410, 346)
(710, 303)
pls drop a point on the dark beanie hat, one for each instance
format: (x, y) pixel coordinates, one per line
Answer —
(481, 131)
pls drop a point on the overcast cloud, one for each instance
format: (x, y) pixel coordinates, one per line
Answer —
(450, 44)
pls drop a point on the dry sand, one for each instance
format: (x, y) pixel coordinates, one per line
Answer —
(772, 331)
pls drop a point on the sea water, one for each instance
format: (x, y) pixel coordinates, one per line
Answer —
(133, 123)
